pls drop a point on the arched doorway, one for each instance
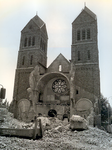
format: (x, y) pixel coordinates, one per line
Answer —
(52, 113)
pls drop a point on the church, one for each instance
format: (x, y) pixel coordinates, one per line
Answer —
(65, 87)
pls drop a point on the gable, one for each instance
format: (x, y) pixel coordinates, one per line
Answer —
(34, 24)
(38, 21)
(85, 16)
(60, 62)
(30, 27)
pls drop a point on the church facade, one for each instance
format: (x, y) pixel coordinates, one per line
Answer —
(65, 87)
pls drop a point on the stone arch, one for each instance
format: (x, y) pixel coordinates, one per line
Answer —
(48, 76)
(50, 99)
(45, 79)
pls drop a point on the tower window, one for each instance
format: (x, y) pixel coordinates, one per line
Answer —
(29, 42)
(88, 53)
(40, 97)
(88, 34)
(77, 92)
(60, 67)
(78, 55)
(25, 42)
(31, 60)
(33, 41)
(83, 34)
(23, 60)
(78, 35)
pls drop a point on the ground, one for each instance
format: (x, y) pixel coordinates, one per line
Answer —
(58, 137)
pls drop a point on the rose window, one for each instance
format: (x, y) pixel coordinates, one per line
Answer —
(59, 86)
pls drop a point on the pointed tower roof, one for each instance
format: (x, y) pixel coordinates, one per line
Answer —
(38, 21)
(89, 12)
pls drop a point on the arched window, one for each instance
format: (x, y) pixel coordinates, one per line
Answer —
(60, 67)
(78, 35)
(78, 55)
(25, 42)
(33, 41)
(77, 92)
(29, 41)
(31, 60)
(40, 97)
(23, 60)
(83, 34)
(88, 54)
(88, 34)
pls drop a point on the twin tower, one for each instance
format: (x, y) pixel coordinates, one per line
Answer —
(55, 94)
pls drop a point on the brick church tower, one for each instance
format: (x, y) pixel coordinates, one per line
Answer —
(84, 52)
(32, 51)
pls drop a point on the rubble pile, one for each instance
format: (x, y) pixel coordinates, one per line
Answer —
(10, 122)
(58, 136)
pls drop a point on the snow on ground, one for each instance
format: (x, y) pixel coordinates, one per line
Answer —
(58, 137)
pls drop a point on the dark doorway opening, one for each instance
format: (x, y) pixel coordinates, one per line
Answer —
(52, 113)
(40, 97)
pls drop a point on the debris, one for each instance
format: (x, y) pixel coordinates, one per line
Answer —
(59, 136)
(78, 123)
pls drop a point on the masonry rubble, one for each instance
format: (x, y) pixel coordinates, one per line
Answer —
(57, 135)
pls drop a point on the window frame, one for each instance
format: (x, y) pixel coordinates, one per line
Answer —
(33, 40)
(88, 34)
(23, 60)
(31, 60)
(25, 41)
(78, 56)
(29, 41)
(83, 34)
(78, 35)
(88, 55)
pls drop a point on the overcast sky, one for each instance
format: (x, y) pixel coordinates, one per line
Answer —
(58, 16)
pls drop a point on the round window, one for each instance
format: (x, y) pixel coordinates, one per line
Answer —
(59, 86)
